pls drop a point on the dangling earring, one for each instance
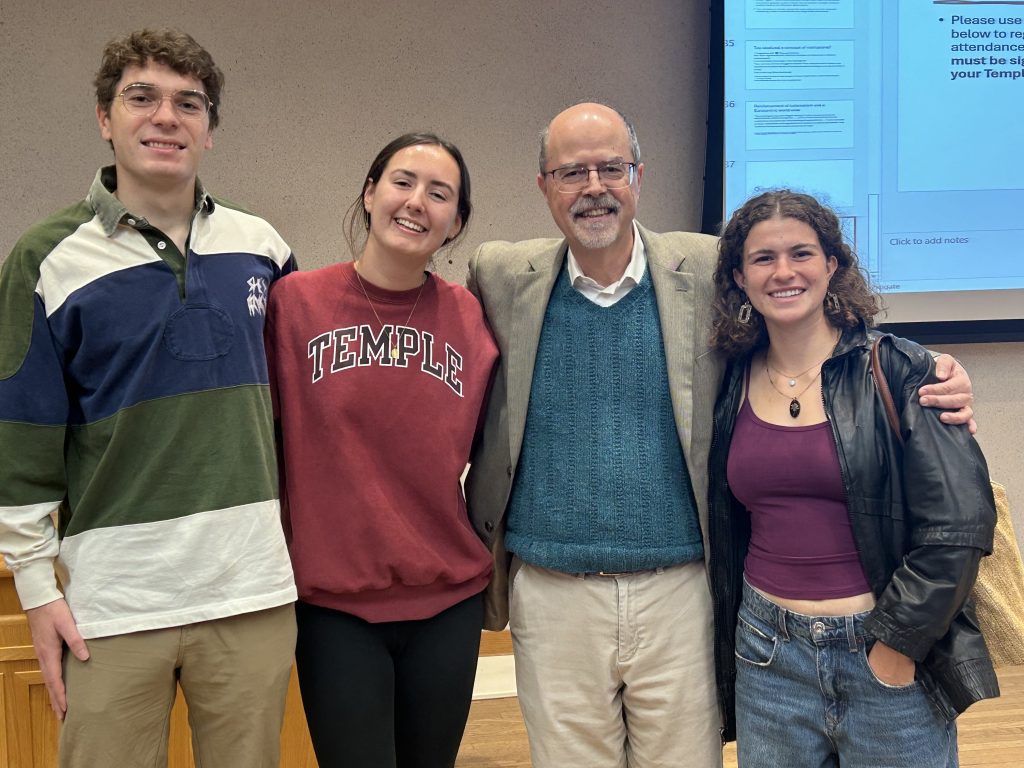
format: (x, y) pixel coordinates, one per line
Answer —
(832, 302)
(745, 311)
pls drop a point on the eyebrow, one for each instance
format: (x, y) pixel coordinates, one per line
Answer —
(616, 159)
(159, 88)
(435, 182)
(774, 251)
(794, 247)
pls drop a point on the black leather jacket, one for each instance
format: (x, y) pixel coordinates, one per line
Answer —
(922, 517)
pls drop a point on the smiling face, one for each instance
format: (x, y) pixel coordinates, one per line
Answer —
(594, 218)
(160, 150)
(413, 206)
(785, 272)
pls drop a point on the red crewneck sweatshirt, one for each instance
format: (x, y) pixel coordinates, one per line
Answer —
(378, 398)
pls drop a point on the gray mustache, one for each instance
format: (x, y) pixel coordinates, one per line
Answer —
(605, 200)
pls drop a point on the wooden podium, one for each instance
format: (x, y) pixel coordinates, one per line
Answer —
(29, 729)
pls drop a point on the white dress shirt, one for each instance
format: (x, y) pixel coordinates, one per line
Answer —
(606, 295)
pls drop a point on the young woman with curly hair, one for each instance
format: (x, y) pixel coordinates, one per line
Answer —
(842, 558)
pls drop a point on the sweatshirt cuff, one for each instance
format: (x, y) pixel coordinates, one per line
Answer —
(36, 583)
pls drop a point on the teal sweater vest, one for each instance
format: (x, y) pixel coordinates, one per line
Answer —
(602, 484)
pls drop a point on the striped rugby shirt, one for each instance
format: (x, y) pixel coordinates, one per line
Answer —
(135, 412)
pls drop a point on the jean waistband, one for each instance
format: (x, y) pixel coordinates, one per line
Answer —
(817, 629)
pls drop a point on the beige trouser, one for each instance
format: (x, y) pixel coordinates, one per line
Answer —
(233, 673)
(616, 671)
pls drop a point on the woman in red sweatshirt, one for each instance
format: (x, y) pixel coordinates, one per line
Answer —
(379, 371)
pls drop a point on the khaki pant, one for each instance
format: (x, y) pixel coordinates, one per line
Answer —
(616, 671)
(233, 673)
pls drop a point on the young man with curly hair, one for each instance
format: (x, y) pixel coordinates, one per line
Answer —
(136, 438)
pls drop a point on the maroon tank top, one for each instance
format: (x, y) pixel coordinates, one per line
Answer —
(801, 544)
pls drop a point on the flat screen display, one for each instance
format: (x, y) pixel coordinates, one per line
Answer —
(907, 116)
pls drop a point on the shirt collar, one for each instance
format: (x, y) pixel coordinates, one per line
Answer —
(111, 211)
(634, 270)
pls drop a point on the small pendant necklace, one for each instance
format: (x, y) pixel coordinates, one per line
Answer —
(394, 336)
(794, 400)
(791, 380)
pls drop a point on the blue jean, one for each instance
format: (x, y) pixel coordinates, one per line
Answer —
(805, 696)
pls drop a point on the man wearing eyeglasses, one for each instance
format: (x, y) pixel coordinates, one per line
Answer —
(589, 480)
(135, 420)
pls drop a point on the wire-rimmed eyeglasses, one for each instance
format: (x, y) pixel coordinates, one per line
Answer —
(575, 176)
(145, 99)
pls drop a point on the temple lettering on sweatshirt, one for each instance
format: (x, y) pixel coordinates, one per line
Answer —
(357, 346)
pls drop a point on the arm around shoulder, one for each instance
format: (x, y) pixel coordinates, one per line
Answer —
(952, 392)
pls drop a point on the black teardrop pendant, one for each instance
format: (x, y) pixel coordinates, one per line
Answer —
(794, 407)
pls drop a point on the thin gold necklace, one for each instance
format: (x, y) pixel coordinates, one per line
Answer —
(394, 336)
(794, 400)
(791, 380)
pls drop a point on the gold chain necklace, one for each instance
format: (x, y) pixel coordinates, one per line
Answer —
(394, 335)
(794, 400)
(791, 380)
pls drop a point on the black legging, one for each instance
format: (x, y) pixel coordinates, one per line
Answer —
(390, 695)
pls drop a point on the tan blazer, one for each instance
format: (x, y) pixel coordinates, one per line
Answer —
(513, 282)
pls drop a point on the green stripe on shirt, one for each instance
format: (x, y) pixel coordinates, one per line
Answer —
(30, 475)
(172, 457)
(20, 276)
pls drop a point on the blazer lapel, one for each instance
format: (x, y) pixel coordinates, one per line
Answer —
(532, 292)
(673, 290)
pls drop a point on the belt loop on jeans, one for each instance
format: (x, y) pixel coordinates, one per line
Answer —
(780, 620)
(851, 634)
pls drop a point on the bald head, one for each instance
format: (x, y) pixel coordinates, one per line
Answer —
(580, 117)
